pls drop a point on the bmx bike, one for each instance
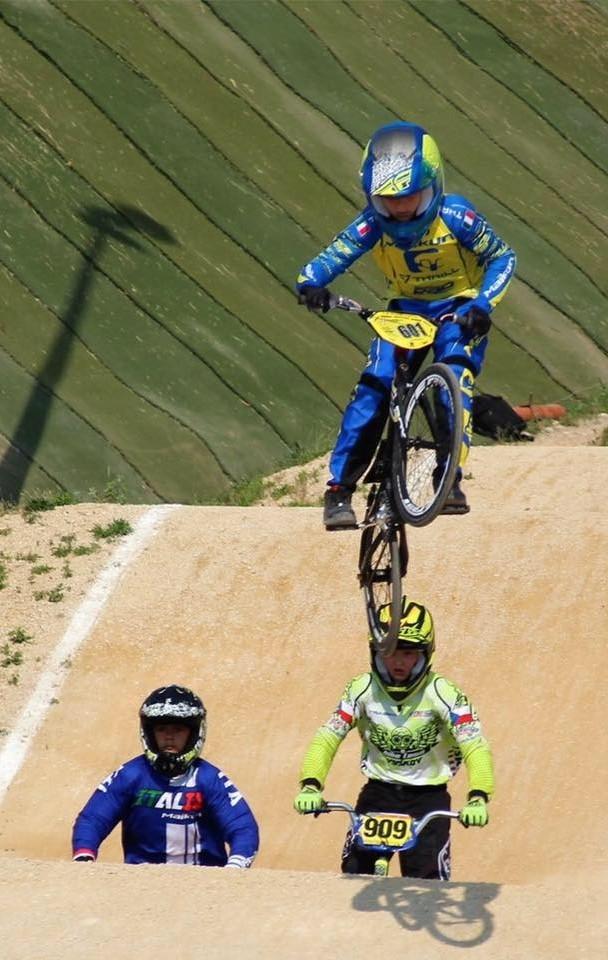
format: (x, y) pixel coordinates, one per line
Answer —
(384, 833)
(415, 465)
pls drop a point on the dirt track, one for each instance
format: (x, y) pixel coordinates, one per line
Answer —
(258, 609)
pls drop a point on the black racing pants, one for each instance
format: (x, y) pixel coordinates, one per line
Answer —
(430, 858)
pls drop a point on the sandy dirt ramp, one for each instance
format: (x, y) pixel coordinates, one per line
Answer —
(259, 610)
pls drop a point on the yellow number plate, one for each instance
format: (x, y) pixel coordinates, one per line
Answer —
(407, 330)
(386, 829)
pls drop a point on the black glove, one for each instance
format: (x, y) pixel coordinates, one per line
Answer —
(475, 321)
(315, 298)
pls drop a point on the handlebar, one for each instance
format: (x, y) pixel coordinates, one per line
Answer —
(337, 302)
(419, 825)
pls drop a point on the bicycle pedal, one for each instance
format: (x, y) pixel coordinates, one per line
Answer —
(454, 511)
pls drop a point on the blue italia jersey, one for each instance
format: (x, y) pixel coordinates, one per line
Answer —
(187, 819)
(460, 255)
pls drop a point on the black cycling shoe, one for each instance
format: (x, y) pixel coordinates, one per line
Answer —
(456, 501)
(338, 513)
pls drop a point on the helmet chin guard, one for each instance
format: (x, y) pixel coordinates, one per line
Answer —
(172, 704)
(401, 159)
(416, 632)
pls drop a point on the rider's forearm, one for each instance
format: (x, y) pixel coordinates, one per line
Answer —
(351, 243)
(480, 768)
(319, 756)
(497, 277)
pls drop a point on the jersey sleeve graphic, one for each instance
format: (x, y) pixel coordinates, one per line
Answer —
(350, 244)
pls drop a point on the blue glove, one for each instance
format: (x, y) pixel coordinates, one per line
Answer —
(315, 298)
(474, 317)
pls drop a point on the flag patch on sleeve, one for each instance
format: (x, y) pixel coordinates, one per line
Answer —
(363, 228)
(469, 218)
(461, 715)
(345, 712)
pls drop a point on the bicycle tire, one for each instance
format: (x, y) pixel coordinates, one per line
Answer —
(426, 444)
(382, 564)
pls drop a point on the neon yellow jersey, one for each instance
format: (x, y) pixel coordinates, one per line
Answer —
(422, 740)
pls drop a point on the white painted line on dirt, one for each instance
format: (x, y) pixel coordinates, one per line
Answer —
(54, 673)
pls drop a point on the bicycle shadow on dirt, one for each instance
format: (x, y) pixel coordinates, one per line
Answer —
(452, 913)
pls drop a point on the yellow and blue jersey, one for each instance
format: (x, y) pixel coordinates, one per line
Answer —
(459, 256)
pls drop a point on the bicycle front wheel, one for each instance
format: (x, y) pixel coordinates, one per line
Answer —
(382, 564)
(426, 444)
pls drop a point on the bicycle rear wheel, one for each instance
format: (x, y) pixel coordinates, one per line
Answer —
(427, 444)
(383, 560)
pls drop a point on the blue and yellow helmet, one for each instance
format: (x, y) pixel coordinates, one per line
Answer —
(400, 159)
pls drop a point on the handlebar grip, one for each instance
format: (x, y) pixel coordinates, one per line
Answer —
(344, 303)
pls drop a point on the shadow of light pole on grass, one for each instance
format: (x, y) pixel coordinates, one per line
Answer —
(120, 225)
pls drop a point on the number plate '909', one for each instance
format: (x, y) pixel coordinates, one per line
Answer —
(386, 829)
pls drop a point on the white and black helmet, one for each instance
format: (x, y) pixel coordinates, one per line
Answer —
(172, 704)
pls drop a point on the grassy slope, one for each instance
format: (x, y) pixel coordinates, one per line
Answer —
(165, 168)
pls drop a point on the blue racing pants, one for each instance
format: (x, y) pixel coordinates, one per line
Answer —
(365, 416)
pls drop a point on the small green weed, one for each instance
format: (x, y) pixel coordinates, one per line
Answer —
(18, 635)
(244, 494)
(3, 575)
(83, 551)
(40, 568)
(14, 680)
(593, 402)
(4, 531)
(66, 543)
(117, 528)
(9, 657)
(35, 505)
(56, 595)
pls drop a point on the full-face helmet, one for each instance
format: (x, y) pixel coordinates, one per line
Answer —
(401, 159)
(416, 632)
(172, 704)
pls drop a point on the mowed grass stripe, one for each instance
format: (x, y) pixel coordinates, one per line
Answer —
(129, 342)
(547, 273)
(505, 118)
(515, 373)
(70, 452)
(243, 63)
(562, 283)
(551, 99)
(251, 369)
(326, 152)
(21, 474)
(569, 41)
(95, 147)
(269, 165)
(559, 345)
(488, 165)
(304, 64)
(215, 187)
(140, 431)
(147, 440)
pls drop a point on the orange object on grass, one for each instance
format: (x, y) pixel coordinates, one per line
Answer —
(542, 411)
